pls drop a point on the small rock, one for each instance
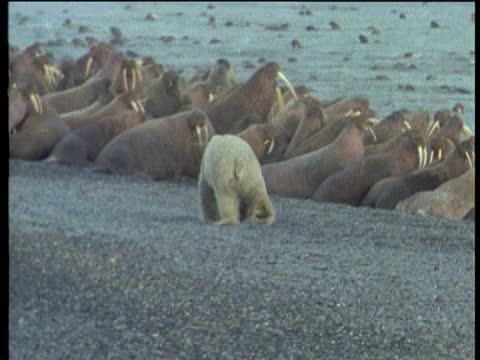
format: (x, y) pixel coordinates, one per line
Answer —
(382, 77)
(311, 28)
(229, 23)
(84, 29)
(296, 44)
(334, 25)
(363, 39)
(408, 55)
(434, 24)
(152, 17)
(214, 41)
(292, 60)
(403, 16)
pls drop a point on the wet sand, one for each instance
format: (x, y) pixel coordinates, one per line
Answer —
(108, 267)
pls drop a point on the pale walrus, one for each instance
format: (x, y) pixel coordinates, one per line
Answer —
(160, 148)
(255, 96)
(451, 200)
(301, 176)
(82, 146)
(352, 183)
(230, 184)
(459, 162)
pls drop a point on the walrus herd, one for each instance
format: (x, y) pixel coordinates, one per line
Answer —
(116, 114)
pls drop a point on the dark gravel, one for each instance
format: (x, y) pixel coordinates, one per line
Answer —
(120, 267)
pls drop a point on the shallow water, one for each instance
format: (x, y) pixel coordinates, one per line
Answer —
(443, 52)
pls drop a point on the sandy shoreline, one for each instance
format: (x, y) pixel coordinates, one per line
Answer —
(106, 266)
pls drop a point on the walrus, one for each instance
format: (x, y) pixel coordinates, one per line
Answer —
(459, 162)
(38, 132)
(220, 78)
(353, 182)
(76, 72)
(22, 62)
(301, 176)
(165, 96)
(82, 146)
(396, 123)
(312, 122)
(38, 70)
(159, 148)
(448, 125)
(260, 137)
(337, 108)
(325, 136)
(78, 97)
(437, 150)
(255, 96)
(118, 105)
(103, 100)
(285, 122)
(451, 200)
(230, 184)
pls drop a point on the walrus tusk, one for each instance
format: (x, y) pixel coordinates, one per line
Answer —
(425, 156)
(39, 102)
(434, 126)
(281, 103)
(407, 124)
(199, 134)
(210, 97)
(420, 157)
(348, 113)
(139, 74)
(89, 66)
(439, 154)
(33, 99)
(469, 159)
(369, 128)
(124, 78)
(134, 78)
(432, 156)
(47, 74)
(466, 130)
(289, 86)
(206, 133)
(140, 106)
(374, 121)
(270, 148)
(134, 105)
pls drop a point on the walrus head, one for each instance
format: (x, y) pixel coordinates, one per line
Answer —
(99, 54)
(198, 123)
(465, 152)
(220, 78)
(451, 126)
(364, 123)
(50, 73)
(440, 148)
(134, 102)
(129, 78)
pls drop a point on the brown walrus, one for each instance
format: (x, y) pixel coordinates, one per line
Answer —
(38, 70)
(337, 109)
(118, 105)
(38, 132)
(312, 122)
(427, 179)
(397, 123)
(219, 79)
(451, 200)
(82, 146)
(76, 72)
(323, 137)
(438, 150)
(165, 96)
(255, 96)
(78, 97)
(160, 148)
(128, 78)
(285, 121)
(353, 182)
(260, 137)
(301, 176)
(103, 100)
(450, 126)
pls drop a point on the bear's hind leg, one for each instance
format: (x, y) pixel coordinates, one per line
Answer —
(208, 202)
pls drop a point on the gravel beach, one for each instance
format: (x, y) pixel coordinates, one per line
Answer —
(121, 267)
